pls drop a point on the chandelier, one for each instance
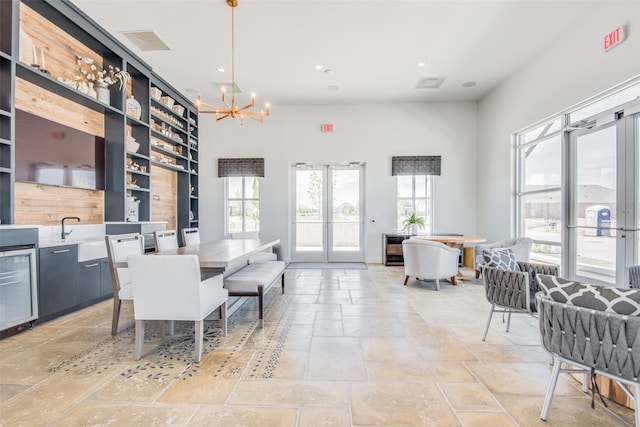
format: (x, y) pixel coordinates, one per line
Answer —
(231, 109)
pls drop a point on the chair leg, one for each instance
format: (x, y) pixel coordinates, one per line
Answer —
(223, 318)
(199, 340)
(282, 279)
(477, 274)
(551, 389)
(116, 315)
(508, 320)
(139, 341)
(453, 280)
(261, 305)
(437, 284)
(406, 279)
(636, 401)
(486, 327)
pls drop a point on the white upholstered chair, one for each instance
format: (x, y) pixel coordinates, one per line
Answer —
(190, 236)
(521, 248)
(168, 287)
(260, 256)
(165, 240)
(119, 247)
(424, 259)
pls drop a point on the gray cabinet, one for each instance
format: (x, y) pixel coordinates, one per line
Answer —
(66, 285)
(106, 283)
(88, 281)
(57, 291)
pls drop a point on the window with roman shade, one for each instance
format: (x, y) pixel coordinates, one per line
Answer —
(242, 193)
(415, 188)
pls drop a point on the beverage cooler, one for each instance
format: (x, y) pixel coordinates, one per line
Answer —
(18, 288)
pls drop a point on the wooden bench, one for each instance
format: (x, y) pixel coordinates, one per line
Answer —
(255, 280)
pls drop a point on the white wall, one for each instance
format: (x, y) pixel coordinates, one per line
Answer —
(570, 71)
(364, 133)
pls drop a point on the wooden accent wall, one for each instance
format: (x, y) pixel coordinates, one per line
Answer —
(59, 48)
(40, 102)
(164, 183)
(47, 204)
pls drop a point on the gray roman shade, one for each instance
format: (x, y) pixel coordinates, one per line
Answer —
(240, 167)
(415, 165)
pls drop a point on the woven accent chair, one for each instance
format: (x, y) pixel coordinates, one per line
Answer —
(634, 277)
(511, 291)
(521, 248)
(594, 341)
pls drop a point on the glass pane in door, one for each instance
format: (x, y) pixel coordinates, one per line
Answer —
(595, 205)
(346, 210)
(309, 210)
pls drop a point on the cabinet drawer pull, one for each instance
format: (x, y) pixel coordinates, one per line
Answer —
(61, 251)
(91, 265)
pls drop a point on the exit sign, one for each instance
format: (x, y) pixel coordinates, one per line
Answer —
(327, 127)
(615, 37)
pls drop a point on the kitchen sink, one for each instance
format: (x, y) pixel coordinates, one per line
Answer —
(93, 249)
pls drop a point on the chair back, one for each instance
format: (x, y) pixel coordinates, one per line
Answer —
(119, 248)
(429, 260)
(245, 235)
(190, 236)
(634, 277)
(165, 287)
(165, 240)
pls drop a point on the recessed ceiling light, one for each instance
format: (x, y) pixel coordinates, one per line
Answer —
(319, 67)
(332, 88)
(421, 64)
(469, 84)
(220, 69)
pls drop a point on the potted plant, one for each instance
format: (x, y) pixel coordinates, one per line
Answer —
(414, 221)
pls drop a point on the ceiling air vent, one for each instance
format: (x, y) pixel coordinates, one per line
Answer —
(146, 40)
(430, 82)
(226, 86)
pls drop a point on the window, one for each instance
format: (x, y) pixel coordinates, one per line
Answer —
(415, 194)
(577, 187)
(242, 204)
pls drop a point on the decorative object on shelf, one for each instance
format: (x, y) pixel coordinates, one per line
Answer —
(92, 92)
(134, 109)
(83, 87)
(232, 110)
(414, 221)
(156, 93)
(104, 94)
(178, 109)
(109, 76)
(191, 216)
(167, 101)
(132, 144)
(26, 47)
(143, 168)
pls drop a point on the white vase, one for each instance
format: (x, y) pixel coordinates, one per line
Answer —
(92, 92)
(134, 109)
(104, 95)
(414, 229)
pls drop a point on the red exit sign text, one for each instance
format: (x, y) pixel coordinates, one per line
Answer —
(327, 127)
(615, 37)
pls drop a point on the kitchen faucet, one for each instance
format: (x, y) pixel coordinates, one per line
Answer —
(64, 235)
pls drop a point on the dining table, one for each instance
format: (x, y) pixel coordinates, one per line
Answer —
(223, 256)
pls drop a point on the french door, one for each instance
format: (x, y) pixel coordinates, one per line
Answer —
(327, 213)
(604, 199)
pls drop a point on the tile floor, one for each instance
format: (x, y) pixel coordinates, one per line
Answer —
(340, 348)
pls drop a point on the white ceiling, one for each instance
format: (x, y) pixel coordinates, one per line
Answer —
(373, 47)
